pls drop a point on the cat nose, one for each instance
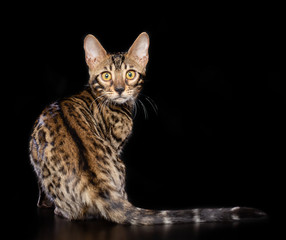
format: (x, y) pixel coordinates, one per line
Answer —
(119, 90)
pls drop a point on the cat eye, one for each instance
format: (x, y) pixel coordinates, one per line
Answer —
(130, 75)
(106, 76)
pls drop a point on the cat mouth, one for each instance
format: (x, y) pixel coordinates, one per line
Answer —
(120, 100)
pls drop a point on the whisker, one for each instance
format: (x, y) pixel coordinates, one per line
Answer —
(144, 109)
(100, 105)
(151, 102)
(135, 109)
(107, 103)
(95, 100)
(153, 105)
(103, 105)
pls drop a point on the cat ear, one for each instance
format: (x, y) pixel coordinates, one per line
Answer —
(94, 52)
(139, 49)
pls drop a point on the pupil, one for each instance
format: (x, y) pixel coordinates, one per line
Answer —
(130, 74)
(106, 75)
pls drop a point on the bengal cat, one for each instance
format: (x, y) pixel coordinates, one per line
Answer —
(76, 143)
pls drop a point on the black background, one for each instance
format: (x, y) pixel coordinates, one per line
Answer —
(217, 76)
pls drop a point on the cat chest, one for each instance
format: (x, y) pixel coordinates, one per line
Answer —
(120, 129)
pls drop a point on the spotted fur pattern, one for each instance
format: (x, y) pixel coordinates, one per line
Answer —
(76, 143)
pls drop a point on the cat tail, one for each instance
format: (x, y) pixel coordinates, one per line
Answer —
(122, 211)
(198, 215)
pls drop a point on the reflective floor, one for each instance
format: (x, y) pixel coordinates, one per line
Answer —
(42, 225)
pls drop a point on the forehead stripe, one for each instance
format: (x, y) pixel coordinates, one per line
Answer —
(117, 60)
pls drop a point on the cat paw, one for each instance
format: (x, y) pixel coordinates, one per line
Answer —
(59, 213)
(44, 202)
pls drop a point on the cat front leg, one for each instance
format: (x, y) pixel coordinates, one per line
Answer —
(43, 200)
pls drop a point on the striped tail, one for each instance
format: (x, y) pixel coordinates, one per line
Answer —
(124, 212)
(150, 217)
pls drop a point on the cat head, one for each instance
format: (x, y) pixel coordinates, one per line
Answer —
(117, 77)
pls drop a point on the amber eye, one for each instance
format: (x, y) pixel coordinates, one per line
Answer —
(106, 76)
(130, 75)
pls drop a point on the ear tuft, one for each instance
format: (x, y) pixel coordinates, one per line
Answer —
(139, 49)
(94, 52)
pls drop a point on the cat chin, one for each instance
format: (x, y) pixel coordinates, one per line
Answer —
(121, 100)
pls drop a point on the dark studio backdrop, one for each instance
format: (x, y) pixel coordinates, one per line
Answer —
(217, 76)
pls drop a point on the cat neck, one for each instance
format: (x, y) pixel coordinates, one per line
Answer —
(118, 118)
